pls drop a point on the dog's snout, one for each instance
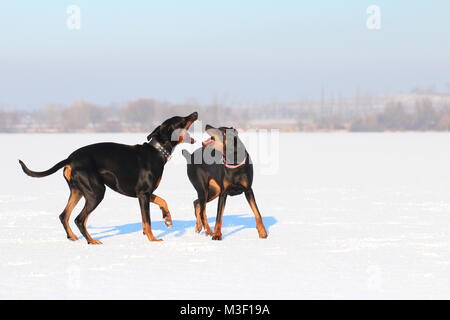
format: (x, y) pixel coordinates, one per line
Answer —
(194, 115)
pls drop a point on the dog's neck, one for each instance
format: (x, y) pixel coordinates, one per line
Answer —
(237, 165)
(165, 150)
(238, 158)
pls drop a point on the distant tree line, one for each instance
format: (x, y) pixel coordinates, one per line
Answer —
(136, 116)
(410, 113)
(395, 118)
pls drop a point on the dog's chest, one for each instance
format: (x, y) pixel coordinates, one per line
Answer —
(236, 185)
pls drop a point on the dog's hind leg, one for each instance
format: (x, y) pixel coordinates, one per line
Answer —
(144, 202)
(93, 191)
(199, 224)
(75, 196)
(259, 222)
(162, 204)
(200, 214)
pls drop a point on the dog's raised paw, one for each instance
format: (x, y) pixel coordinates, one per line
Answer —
(168, 223)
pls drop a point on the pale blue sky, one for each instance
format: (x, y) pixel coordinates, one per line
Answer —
(252, 50)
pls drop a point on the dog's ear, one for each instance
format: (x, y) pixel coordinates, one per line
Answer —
(151, 135)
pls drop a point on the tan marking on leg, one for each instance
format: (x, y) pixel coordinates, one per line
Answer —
(162, 204)
(148, 232)
(208, 231)
(199, 225)
(74, 198)
(217, 235)
(259, 222)
(213, 193)
(89, 239)
(220, 209)
(68, 172)
(244, 183)
(213, 185)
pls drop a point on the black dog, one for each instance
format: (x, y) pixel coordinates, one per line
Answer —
(134, 171)
(229, 171)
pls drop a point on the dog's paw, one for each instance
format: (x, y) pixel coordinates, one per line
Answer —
(168, 223)
(217, 237)
(208, 233)
(72, 237)
(152, 238)
(95, 242)
(262, 233)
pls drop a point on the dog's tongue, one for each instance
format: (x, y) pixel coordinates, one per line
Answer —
(205, 143)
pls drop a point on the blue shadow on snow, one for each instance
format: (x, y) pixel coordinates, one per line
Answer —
(180, 226)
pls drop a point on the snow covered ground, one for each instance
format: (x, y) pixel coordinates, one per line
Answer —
(348, 215)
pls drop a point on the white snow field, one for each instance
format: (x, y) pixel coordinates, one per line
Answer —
(348, 215)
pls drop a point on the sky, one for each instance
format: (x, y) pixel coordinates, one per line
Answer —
(238, 51)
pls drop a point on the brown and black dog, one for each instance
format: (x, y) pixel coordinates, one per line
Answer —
(222, 167)
(134, 171)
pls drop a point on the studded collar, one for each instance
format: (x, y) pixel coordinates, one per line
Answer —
(162, 151)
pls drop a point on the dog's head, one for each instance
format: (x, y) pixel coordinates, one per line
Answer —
(225, 140)
(174, 130)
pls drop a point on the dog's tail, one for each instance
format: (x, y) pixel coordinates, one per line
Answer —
(187, 155)
(50, 171)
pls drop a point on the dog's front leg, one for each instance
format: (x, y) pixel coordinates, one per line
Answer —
(259, 222)
(217, 235)
(162, 204)
(144, 202)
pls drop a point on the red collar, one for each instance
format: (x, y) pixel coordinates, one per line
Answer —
(230, 166)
